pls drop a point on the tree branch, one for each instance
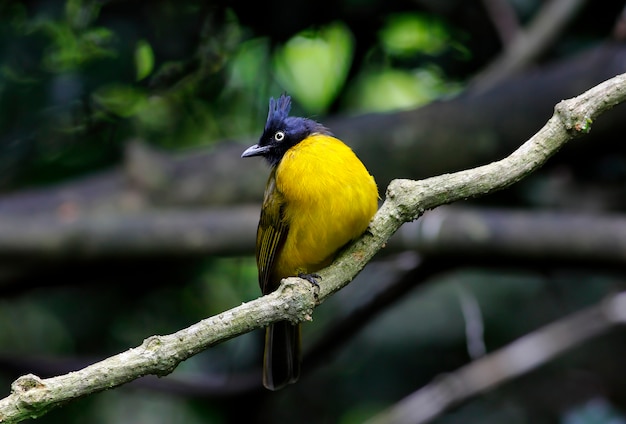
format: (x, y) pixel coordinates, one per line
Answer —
(550, 236)
(502, 15)
(513, 360)
(32, 396)
(406, 200)
(172, 232)
(529, 43)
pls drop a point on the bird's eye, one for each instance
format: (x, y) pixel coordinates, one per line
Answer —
(279, 136)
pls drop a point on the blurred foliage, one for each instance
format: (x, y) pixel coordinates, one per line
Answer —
(411, 34)
(82, 78)
(144, 59)
(313, 65)
(391, 77)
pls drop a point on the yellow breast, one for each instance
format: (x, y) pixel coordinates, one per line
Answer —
(330, 198)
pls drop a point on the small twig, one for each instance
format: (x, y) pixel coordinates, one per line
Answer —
(619, 28)
(503, 17)
(474, 328)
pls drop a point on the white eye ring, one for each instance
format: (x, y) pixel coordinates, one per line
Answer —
(279, 136)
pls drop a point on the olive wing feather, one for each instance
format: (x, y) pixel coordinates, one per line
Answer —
(271, 235)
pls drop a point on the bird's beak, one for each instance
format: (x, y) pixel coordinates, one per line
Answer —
(255, 150)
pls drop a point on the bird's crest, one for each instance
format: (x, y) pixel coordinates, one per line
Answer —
(278, 111)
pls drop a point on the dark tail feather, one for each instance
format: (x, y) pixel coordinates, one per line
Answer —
(281, 364)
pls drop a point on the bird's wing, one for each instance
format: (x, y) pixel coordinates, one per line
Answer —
(271, 236)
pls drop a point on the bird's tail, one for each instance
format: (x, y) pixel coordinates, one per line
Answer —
(281, 363)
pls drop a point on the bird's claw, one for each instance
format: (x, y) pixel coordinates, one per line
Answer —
(311, 278)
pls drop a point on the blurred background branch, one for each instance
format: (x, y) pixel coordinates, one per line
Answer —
(528, 44)
(518, 358)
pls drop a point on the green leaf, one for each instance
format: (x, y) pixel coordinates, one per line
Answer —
(313, 65)
(144, 59)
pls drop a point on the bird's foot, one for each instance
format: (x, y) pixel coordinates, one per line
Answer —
(311, 278)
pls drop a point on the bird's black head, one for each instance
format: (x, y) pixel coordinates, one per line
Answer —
(282, 132)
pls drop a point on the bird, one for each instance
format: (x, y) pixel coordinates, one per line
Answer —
(319, 196)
